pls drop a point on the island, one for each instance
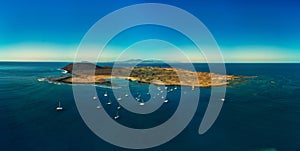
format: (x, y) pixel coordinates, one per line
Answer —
(89, 73)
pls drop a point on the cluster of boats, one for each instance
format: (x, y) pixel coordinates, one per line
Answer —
(137, 98)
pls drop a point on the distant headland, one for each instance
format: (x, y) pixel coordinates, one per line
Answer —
(89, 73)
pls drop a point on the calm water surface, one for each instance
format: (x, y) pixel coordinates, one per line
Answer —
(258, 114)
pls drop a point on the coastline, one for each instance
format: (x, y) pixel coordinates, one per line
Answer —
(88, 73)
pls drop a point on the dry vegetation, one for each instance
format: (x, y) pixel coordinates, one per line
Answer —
(89, 73)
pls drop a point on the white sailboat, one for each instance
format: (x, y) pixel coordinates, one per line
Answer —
(105, 94)
(108, 102)
(138, 98)
(117, 115)
(59, 108)
(119, 107)
(142, 102)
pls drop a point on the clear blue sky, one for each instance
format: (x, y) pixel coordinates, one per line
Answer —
(246, 31)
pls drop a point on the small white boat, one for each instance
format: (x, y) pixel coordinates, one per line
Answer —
(119, 99)
(166, 101)
(119, 107)
(126, 95)
(109, 102)
(59, 108)
(98, 107)
(94, 98)
(175, 88)
(138, 99)
(105, 94)
(223, 99)
(117, 116)
(142, 102)
(162, 97)
(41, 79)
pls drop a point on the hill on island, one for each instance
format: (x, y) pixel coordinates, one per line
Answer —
(84, 73)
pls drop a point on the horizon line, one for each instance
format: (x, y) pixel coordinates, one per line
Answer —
(62, 61)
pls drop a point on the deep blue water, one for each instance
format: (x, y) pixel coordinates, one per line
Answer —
(259, 113)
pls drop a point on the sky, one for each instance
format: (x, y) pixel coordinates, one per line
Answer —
(246, 31)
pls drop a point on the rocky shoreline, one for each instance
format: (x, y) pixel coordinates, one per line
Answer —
(88, 73)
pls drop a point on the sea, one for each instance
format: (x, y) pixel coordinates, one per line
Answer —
(260, 113)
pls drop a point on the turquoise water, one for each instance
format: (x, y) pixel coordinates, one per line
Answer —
(258, 114)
